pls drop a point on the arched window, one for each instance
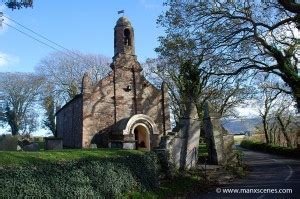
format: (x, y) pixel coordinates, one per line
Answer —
(127, 37)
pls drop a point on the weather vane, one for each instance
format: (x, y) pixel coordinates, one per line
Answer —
(121, 12)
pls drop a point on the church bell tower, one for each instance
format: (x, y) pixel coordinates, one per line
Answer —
(124, 37)
(127, 75)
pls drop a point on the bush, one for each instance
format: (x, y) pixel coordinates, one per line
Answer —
(166, 166)
(8, 143)
(85, 178)
(274, 149)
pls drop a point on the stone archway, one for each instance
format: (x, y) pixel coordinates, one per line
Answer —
(144, 131)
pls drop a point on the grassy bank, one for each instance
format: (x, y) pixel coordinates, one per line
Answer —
(101, 173)
(273, 149)
(185, 184)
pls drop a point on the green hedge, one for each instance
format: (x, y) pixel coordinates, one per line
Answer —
(84, 178)
(274, 149)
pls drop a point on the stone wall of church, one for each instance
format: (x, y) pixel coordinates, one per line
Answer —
(69, 123)
(98, 113)
(107, 103)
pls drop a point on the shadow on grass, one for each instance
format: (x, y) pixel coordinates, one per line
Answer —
(187, 185)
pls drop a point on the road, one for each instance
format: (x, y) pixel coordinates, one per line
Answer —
(267, 173)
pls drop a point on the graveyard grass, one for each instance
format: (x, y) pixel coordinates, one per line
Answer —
(19, 158)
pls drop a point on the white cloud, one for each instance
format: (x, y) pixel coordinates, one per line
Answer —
(8, 60)
(249, 110)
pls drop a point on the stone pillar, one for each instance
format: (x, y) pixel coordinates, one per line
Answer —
(191, 130)
(214, 135)
(86, 84)
(129, 142)
(183, 145)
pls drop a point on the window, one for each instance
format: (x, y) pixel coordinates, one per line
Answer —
(127, 39)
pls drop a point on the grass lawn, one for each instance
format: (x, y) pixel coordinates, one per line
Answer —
(16, 158)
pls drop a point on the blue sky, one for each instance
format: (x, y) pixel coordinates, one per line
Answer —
(86, 26)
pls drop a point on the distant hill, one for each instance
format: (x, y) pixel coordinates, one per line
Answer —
(239, 126)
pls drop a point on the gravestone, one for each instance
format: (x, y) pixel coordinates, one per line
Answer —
(53, 143)
(32, 147)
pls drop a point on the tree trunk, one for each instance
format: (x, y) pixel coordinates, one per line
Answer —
(266, 130)
(283, 129)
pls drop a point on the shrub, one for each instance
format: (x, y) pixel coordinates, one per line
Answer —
(167, 167)
(269, 148)
(85, 178)
(8, 143)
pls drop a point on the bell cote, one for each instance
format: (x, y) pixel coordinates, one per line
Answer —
(124, 37)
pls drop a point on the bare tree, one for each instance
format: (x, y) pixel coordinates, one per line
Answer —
(18, 98)
(268, 101)
(241, 36)
(63, 71)
(286, 119)
(224, 93)
(277, 113)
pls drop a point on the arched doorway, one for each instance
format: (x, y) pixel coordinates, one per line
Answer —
(142, 137)
(142, 129)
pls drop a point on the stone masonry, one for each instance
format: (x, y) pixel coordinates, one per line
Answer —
(182, 144)
(122, 110)
(220, 145)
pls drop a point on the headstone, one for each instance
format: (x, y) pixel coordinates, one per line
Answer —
(32, 147)
(93, 146)
(8, 143)
(53, 143)
(19, 148)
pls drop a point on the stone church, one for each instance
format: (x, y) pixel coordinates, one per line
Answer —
(123, 110)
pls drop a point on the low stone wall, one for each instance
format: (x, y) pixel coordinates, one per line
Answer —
(53, 143)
